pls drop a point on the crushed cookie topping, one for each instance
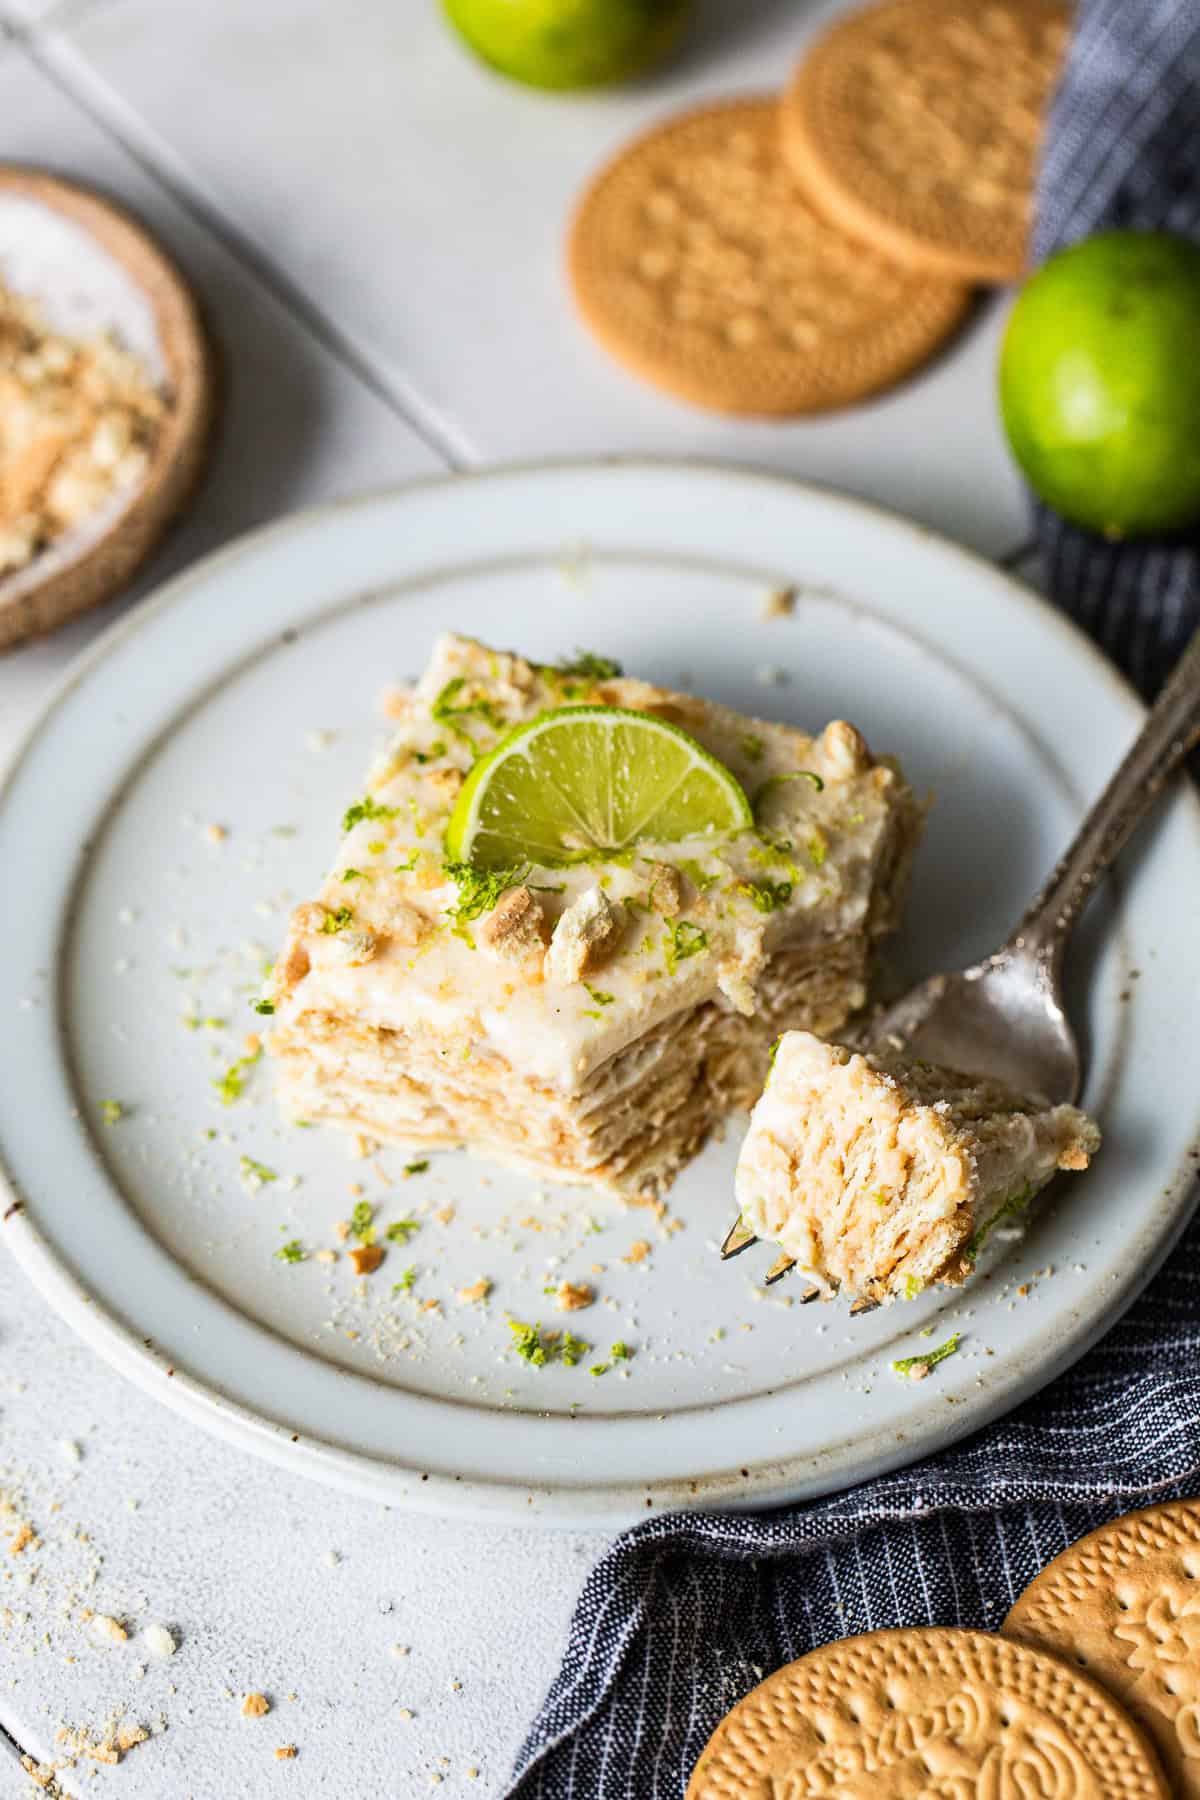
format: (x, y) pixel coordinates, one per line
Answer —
(584, 938)
(81, 420)
(517, 929)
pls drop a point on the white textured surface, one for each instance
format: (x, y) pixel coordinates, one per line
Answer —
(226, 1552)
(417, 203)
(430, 231)
(234, 1559)
(295, 426)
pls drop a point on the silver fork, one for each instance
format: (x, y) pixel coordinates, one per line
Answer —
(1004, 1017)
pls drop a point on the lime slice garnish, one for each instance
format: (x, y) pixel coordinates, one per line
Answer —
(590, 781)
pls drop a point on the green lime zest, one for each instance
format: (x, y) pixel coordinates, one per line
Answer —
(367, 808)
(529, 1343)
(585, 665)
(480, 890)
(541, 1347)
(255, 1174)
(696, 873)
(1015, 1204)
(765, 896)
(447, 713)
(774, 782)
(684, 940)
(908, 1365)
(232, 1084)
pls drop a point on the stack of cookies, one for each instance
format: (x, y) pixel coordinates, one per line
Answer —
(788, 254)
(1090, 1692)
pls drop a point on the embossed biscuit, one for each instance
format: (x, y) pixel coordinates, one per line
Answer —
(915, 125)
(697, 262)
(927, 1715)
(1124, 1603)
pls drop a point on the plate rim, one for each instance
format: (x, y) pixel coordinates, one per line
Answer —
(496, 1498)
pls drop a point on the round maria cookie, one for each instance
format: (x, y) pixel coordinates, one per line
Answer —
(915, 125)
(909, 1715)
(696, 261)
(1124, 1603)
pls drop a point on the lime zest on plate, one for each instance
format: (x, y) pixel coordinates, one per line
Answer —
(918, 1367)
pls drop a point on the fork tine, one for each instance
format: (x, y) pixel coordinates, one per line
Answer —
(738, 1238)
(778, 1269)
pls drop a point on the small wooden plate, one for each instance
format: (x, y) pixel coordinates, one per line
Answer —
(105, 564)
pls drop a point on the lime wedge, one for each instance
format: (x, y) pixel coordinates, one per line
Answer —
(586, 781)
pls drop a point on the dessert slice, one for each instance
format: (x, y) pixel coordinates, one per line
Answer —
(586, 1010)
(880, 1176)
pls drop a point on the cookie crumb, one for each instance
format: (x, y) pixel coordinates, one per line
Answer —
(778, 603)
(106, 1630)
(158, 1640)
(82, 417)
(255, 1706)
(285, 1752)
(478, 1290)
(366, 1258)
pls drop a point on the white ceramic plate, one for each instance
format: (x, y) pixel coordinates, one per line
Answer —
(122, 916)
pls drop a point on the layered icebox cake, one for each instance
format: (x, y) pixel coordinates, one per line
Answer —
(587, 1013)
(880, 1176)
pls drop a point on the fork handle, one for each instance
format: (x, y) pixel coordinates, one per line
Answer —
(1170, 731)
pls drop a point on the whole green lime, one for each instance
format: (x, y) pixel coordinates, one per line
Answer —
(569, 43)
(1100, 383)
